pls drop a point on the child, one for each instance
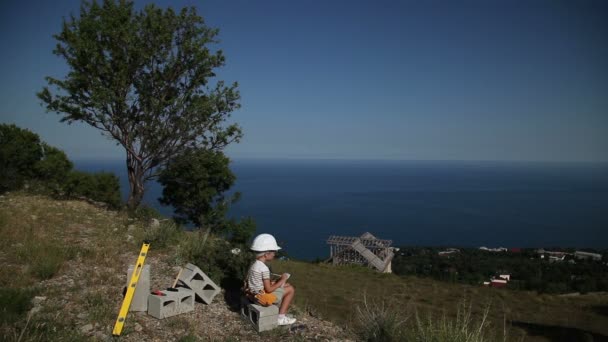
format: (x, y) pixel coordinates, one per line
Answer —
(258, 278)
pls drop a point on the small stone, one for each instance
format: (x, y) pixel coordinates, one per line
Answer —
(129, 238)
(34, 217)
(102, 337)
(34, 310)
(130, 227)
(82, 315)
(86, 328)
(154, 223)
(37, 301)
(138, 327)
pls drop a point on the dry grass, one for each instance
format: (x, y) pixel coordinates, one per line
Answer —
(335, 291)
(56, 249)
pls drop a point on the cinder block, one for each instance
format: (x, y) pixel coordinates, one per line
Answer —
(261, 317)
(193, 278)
(173, 303)
(140, 298)
(186, 299)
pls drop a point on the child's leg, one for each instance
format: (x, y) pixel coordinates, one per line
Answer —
(287, 298)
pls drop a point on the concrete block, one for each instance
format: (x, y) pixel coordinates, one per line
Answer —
(193, 278)
(140, 298)
(261, 317)
(173, 303)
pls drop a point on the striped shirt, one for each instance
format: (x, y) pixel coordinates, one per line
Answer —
(257, 273)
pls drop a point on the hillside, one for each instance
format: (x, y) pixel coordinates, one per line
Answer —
(528, 316)
(63, 266)
(73, 258)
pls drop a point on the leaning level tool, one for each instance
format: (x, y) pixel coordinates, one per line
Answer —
(126, 303)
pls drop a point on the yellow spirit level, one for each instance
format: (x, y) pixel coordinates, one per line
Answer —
(126, 303)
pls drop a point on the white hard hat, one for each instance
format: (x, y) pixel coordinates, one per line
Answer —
(264, 242)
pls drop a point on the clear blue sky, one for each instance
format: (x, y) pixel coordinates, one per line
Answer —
(450, 80)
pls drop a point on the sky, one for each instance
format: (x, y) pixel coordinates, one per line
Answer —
(414, 80)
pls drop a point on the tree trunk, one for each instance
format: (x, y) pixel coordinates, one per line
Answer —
(136, 182)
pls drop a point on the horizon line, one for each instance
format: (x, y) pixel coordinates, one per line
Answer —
(85, 159)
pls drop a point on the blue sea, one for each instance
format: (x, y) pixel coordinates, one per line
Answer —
(430, 203)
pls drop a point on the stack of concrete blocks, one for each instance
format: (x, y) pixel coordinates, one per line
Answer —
(171, 304)
(142, 290)
(262, 318)
(193, 278)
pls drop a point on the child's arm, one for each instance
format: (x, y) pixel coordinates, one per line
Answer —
(271, 287)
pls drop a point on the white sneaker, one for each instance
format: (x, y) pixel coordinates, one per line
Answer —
(286, 320)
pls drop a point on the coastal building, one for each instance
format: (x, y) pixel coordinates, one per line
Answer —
(552, 256)
(499, 249)
(587, 256)
(498, 283)
(449, 251)
(557, 258)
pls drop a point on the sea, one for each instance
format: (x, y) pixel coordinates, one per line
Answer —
(413, 203)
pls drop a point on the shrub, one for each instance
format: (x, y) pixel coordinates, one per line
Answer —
(240, 232)
(47, 267)
(24, 158)
(101, 187)
(20, 150)
(53, 168)
(164, 235)
(44, 258)
(145, 213)
(14, 304)
(215, 257)
(379, 322)
(462, 329)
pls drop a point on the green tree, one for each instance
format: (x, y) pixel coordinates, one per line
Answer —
(144, 78)
(20, 150)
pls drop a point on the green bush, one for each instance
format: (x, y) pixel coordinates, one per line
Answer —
(240, 232)
(24, 158)
(46, 268)
(101, 187)
(215, 257)
(53, 168)
(20, 150)
(145, 213)
(166, 234)
(14, 304)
